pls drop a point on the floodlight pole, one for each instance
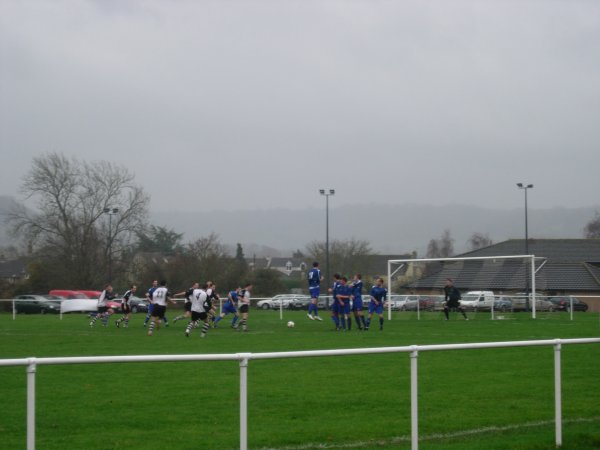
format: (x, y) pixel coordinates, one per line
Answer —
(327, 193)
(525, 187)
(111, 212)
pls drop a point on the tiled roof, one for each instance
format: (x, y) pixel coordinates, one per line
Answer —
(13, 269)
(573, 250)
(570, 265)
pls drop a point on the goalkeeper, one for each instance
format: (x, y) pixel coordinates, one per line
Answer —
(452, 299)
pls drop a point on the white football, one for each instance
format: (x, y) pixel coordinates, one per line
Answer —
(291, 324)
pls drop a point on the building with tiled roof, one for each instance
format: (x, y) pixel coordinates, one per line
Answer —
(565, 266)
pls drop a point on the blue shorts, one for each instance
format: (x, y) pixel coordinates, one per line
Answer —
(345, 309)
(375, 308)
(229, 308)
(314, 291)
(335, 307)
(357, 304)
(151, 307)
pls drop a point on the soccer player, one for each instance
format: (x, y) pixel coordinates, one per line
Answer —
(357, 303)
(378, 296)
(245, 306)
(335, 306)
(230, 306)
(211, 291)
(104, 311)
(314, 283)
(125, 307)
(187, 306)
(451, 299)
(151, 305)
(201, 304)
(344, 292)
(160, 297)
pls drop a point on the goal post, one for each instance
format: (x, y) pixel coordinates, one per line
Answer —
(396, 265)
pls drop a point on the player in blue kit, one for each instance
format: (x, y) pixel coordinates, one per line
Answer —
(344, 292)
(230, 306)
(357, 303)
(378, 297)
(335, 307)
(314, 288)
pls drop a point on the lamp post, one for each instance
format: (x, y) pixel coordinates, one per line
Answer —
(525, 187)
(111, 212)
(327, 193)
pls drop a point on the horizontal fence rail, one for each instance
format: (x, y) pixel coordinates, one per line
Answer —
(243, 359)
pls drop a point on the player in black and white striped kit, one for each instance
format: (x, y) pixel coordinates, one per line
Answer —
(187, 307)
(201, 305)
(126, 308)
(160, 297)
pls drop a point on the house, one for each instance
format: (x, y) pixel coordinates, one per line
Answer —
(13, 271)
(564, 267)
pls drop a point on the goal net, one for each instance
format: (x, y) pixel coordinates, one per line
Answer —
(493, 284)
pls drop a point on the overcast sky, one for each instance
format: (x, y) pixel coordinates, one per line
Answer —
(258, 104)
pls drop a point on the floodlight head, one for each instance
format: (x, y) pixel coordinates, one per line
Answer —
(530, 185)
(322, 191)
(106, 210)
(331, 191)
(115, 210)
(520, 185)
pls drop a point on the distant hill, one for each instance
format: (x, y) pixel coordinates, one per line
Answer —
(391, 229)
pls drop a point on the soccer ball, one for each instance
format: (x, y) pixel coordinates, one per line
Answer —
(291, 324)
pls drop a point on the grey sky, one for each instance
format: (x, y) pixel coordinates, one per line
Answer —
(258, 104)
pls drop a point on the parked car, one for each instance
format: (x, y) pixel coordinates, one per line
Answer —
(477, 300)
(70, 295)
(399, 301)
(503, 304)
(521, 303)
(36, 304)
(90, 294)
(422, 303)
(564, 303)
(299, 302)
(138, 305)
(287, 301)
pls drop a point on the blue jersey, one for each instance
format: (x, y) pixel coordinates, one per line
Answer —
(357, 287)
(346, 291)
(379, 293)
(233, 300)
(314, 277)
(334, 290)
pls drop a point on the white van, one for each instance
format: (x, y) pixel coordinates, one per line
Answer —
(478, 300)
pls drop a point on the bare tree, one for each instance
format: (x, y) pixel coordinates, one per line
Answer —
(68, 227)
(345, 256)
(479, 240)
(442, 247)
(592, 229)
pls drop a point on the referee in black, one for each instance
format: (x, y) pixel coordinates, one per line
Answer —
(451, 298)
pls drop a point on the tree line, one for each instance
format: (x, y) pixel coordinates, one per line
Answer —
(89, 225)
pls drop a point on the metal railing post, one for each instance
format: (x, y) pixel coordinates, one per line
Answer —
(31, 369)
(414, 400)
(244, 401)
(557, 394)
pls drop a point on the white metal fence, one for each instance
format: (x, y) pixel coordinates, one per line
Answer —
(244, 359)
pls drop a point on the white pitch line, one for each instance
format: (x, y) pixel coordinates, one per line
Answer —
(429, 437)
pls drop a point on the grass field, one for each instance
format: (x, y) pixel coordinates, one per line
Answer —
(470, 399)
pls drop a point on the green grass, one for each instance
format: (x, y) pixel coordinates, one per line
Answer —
(470, 399)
